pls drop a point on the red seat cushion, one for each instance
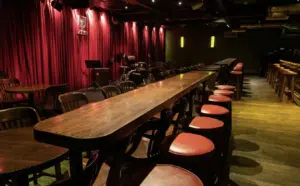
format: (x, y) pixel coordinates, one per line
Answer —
(187, 144)
(219, 98)
(225, 87)
(162, 175)
(224, 92)
(214, 110)
(236, 72)
(205, 123)
(238, 67)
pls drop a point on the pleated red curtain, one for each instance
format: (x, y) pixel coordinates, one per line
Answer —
(40, 44)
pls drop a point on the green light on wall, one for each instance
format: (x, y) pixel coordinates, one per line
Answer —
(212, 42)
(181, 42)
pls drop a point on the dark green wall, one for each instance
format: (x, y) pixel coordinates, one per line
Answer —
(247, 47)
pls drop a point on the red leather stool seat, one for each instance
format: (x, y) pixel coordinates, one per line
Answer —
(214, 110)
(236, 72)
(238, 67)
(188, 144)
(225, 87)
(205, 123)
(223, 92)
(162, 175)
(219, 99)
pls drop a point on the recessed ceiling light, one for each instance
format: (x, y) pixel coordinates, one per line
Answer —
(126, 7)
(153, 1)
(179, 3)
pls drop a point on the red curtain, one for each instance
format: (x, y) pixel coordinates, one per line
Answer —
(40, 44)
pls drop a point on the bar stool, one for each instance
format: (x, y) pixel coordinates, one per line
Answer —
(287, 75)
(238, 75)
(147, 174)
(193, 152)
(220, 113)
(225, 87)
(212, 129)
(225, 102)
(223, 92)
(221, 100)
(238, 67)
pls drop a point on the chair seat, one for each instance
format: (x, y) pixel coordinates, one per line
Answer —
(223, 92)
(236, 72)
(219, 99)
(188, 144)
(162, 175)
(202, 122)
(213, 110)
(225, 87)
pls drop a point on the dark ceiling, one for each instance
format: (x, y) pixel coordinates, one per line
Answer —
(233, 13)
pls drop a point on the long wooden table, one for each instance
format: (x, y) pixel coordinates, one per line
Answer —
(103, 123)
(228, 62)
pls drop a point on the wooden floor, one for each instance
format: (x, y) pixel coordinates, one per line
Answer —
(267, 138)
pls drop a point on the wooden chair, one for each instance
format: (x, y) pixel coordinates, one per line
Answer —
(6, 99)
(93, 94)
(50, 105)
(126, 86)
(3, 75)
(24, 117)
(110, 91)
(18, 117)
(89, 174)
(72, 101)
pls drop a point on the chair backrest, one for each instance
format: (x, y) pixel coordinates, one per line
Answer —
(136, 77)
(18, 117)
(126, 86)
(3, 75)
(158, 127)
(110, 91)
(6, 83)
(52, 93)
(89, 174)
(73, 100)
(93, 94)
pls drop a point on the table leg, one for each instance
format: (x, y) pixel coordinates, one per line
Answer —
(191, 104)
(20, 180)
(31, 99)
(114, 175)
(75, 163)
(204, 94)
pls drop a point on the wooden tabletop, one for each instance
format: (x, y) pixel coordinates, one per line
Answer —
(227, 61)
(210, 68)
(20, 153)
(26, 88)
(117, 117)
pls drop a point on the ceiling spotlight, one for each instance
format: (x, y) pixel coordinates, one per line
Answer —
(153, 1)
(179, 3)
(57, 5)
(126, 7)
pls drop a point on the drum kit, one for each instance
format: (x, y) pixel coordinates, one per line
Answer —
(138, 72)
